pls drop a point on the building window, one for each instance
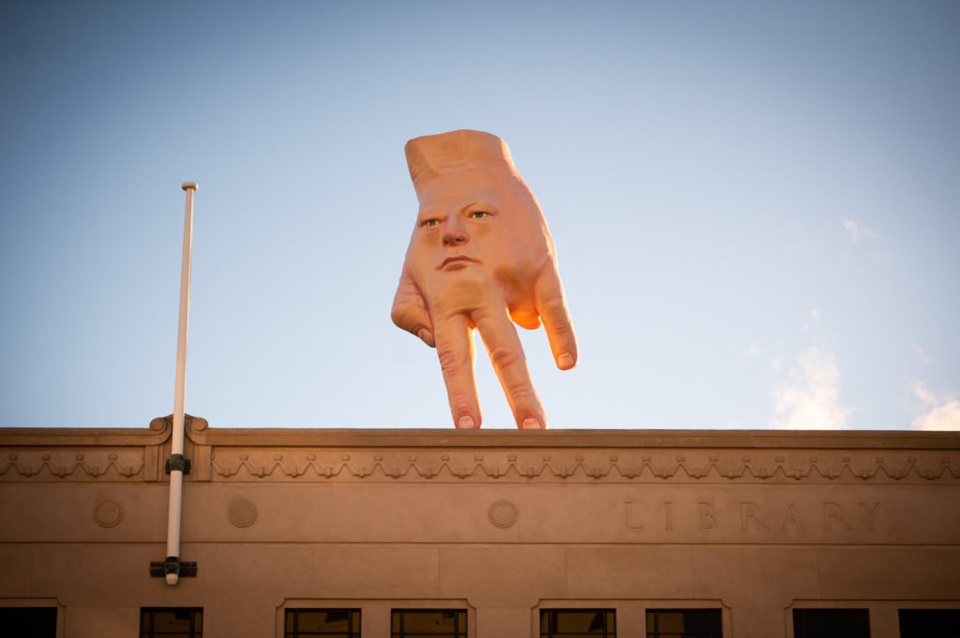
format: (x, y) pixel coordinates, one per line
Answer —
(29, 622)
(424, 623)
(831, 623)
(332, 623)
(171, 622)
(568, 623)
(929, 623)
(684, 623)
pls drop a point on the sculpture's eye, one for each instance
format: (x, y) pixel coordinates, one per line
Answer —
(430, 223)
(479, 214)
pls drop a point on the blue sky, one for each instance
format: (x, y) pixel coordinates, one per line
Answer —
(755, 207)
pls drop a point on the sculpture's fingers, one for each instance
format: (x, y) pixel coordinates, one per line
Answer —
(510, 364)
(410, 310)
(455, 350)
(552, 307)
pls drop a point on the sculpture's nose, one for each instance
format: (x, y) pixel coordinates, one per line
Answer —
(454, 233)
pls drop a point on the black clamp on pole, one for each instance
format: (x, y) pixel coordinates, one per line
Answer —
(178, 462)
(173, 565)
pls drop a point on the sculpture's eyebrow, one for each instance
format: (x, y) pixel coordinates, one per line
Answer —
(429, 214)
(479, 204)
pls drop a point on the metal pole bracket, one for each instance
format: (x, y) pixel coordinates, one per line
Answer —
(173, 565)
(178, 462)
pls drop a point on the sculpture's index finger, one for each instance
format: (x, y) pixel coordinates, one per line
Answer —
(455, 350)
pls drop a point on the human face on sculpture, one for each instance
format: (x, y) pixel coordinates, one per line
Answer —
(482, 226)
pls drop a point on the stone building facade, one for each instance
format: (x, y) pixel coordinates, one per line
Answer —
(486, 534)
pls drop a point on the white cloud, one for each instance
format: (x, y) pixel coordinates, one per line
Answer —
(809, 397)
(857, 230)
(940, 413)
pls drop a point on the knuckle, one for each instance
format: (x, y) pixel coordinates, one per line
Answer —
(461, 404)
(522, 395)
(558, 322)
(405, 317)
(399, 316)
(503, 356)
(554, 304)
(554, 307)
(452, 362)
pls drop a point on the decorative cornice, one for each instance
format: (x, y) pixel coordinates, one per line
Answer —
(617, 466)
(81, 454)
(502, 456)
(108, 464)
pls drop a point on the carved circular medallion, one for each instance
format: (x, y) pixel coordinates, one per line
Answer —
(242, 513)
(503, 514)
(108, 513)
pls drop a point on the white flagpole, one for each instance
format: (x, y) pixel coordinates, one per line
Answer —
(176, 451)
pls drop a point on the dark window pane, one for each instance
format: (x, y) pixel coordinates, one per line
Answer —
(29, 622)
(563, 623)
(929, 623)
(684, 623)
(332, 623)
(831, 623)
(172, 622)
(418, 623)
(670, 621)
(431, 622)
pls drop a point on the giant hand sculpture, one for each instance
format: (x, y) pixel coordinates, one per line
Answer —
(480, 255)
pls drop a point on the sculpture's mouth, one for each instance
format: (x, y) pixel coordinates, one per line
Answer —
(456, 262)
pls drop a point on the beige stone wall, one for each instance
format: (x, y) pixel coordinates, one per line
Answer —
(500, 523)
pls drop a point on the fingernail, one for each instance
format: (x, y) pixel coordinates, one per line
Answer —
(565, 361)
(466, 423)
(530, 423)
